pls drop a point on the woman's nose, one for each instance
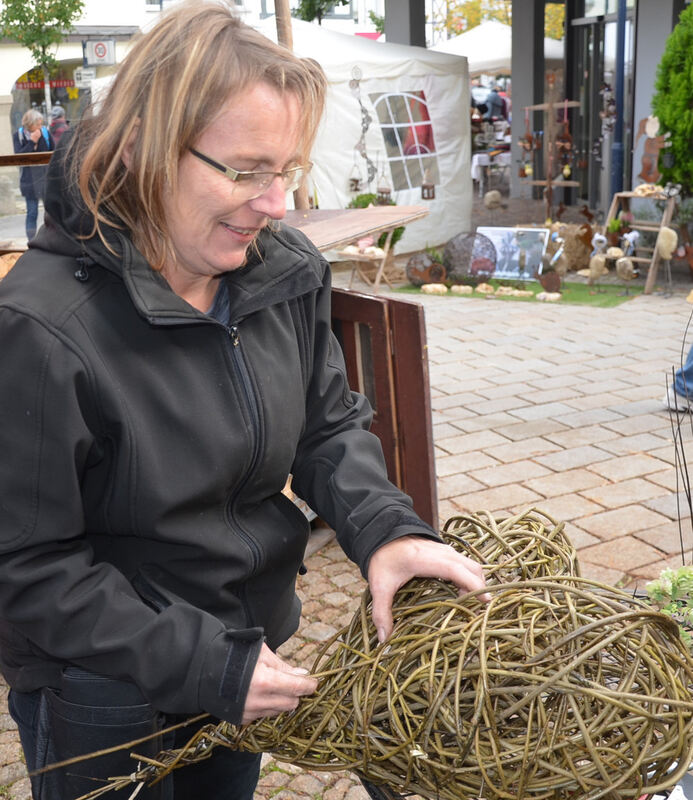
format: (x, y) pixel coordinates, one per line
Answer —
(272, 202)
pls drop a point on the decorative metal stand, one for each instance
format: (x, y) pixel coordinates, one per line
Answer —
(557, 145)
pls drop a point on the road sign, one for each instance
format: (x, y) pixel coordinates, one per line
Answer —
(84, 76)
(99, 51)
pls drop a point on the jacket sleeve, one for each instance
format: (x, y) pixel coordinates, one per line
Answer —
(53, 592)
(339, 467)
(22, 144)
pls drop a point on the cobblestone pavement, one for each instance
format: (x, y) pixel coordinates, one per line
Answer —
(541, 405)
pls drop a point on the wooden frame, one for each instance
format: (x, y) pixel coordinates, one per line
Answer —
(384, 344)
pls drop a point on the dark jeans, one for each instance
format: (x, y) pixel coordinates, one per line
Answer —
(31, 216)
(90, 713)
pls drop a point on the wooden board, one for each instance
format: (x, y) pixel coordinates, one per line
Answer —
(330, 228)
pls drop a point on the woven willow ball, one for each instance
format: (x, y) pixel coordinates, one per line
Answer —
(557, 688)
(522, 547)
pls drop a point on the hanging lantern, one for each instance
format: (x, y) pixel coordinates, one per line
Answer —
(384, 191)
(566, 171)
(355, 178)
(529, 169)
(428, 189)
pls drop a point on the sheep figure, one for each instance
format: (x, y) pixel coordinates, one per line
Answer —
(597, 258)
(665, 247)
(667, 242)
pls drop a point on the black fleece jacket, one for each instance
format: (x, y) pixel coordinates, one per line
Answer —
(143, 533)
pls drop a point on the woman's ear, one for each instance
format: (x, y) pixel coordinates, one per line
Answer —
(128, 150)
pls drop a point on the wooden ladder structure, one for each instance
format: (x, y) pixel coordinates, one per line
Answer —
(621, 202)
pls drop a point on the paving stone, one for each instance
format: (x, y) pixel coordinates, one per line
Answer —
(318, 631)
(602, 574)
(668, 478)
(568, 507)
(631, 466)
(558, 483)
(617, 522)
(457, 484)
(451, 465)
(471, 441)
(672, 505)
(592, 416)
(515, 472)
(645, 423)
(503, 498)
(573, 457)
(306, 783)
(542, 411)
(670, 537)
(635, 490)
(524, 448)
(591, 401)
(517, 431)
(485, 422)
(576, 437)
(579, 538)
(638, 443)
(623, 553)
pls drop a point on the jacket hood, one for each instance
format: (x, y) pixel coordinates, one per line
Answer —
(284, 264)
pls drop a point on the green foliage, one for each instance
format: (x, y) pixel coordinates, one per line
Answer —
(672, 103)
(371, 199)
(39, 25)
(378, 21)
(615, 225)
(672, 594)
(435, 254)
(309, 10)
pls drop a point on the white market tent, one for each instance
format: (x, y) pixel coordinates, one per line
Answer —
(389, 78)
(488, 48)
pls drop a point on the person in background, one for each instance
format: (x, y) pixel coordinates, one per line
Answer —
(58, 123)
(32, 137)
(172, 363)
(495, 106)
(679, 396)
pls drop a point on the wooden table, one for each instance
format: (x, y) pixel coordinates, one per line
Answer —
(329, 229)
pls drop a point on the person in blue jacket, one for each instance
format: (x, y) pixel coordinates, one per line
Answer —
(679, 396)
(32, 137)
(171, 362)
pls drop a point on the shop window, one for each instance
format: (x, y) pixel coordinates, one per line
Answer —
(408, 137)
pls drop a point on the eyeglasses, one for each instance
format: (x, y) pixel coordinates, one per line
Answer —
(256, 183)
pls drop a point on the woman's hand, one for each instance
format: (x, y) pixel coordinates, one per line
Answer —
(396, 562)
(275, 687)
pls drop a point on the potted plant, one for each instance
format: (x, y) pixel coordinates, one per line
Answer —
(672, 594)
(369, 199)
(617, 227)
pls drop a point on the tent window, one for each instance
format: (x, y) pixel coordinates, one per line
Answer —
(408, 136)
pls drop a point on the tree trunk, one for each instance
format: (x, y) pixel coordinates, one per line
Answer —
(47, 92)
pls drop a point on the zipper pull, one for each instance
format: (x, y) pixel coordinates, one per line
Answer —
(235, 338)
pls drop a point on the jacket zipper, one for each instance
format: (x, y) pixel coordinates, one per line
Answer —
(251, 404)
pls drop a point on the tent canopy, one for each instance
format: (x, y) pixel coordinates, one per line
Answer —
(405, 111)
(488, 48)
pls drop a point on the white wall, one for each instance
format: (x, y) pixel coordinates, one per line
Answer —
(654, 24)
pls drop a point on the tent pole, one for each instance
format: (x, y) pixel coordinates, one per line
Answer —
(285, 37)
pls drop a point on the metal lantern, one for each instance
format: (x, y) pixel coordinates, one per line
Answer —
(428, 189)
(384, 191)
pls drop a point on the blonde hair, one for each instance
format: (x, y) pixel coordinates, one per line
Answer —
(171, 86)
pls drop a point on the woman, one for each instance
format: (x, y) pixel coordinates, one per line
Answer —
(32, 137)
(173, 363)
